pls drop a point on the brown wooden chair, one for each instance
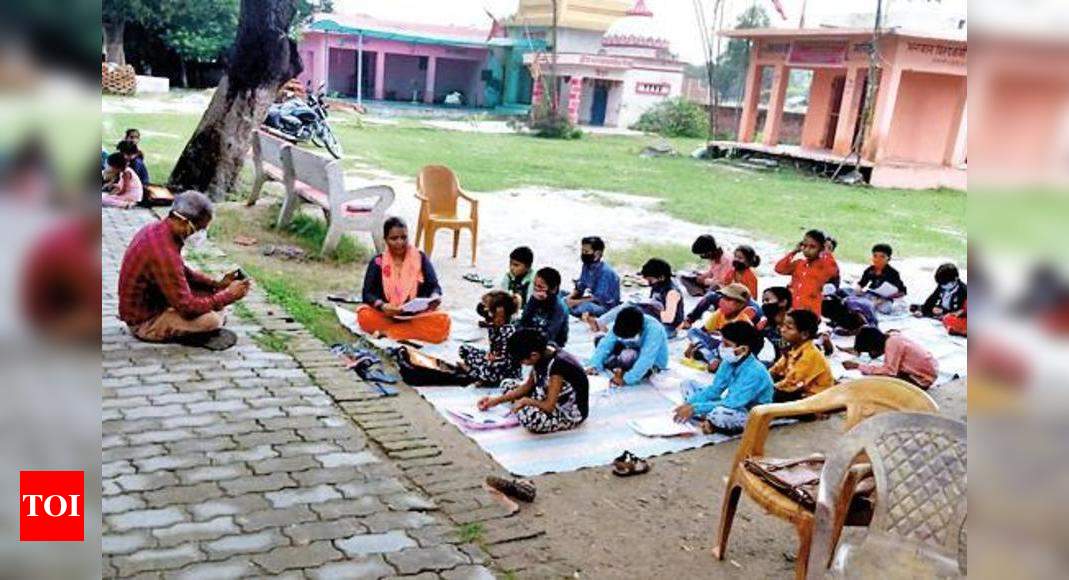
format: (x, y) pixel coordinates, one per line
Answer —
(919, 463)
(861, 399)
(438, 191)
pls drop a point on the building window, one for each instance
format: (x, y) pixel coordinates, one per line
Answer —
(662, 89)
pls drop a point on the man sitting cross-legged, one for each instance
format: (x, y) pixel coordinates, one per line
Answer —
(162, 299)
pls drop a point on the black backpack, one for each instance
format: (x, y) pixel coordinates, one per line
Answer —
(422, 370)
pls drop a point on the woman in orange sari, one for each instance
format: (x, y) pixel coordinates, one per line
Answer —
(395, 277)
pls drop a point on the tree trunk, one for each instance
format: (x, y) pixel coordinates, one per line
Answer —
(183, 73)
(264, 57)
(113, 38)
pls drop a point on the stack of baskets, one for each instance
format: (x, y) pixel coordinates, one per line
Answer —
(117, 79)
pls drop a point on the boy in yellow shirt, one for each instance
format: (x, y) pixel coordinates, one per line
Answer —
(802, 370)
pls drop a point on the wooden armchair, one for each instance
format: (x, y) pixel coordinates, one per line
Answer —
(438, 191)
(861, 399)
(919, 462)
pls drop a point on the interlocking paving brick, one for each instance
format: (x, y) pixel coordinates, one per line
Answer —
(365, 568)
(228, 506)
(270, 482)
(183, 494)
(164, 559)
(436, 558)
(385, 521)
(155, 518)
(363, 506)
(290, 497)
(275, 517)
(364, 544)
(121, 503)
(124, 543)
(343, 459)
(309, 532)
(468, 573)
(196, 531)
(388, 486)
(245, 544)
(287, 558)
(284, 464)
(212, 473)
(232, 568)
(169, 462)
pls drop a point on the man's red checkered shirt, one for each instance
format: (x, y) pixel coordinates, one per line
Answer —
(153, 278)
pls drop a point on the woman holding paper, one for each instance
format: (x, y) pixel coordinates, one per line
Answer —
(401, 293)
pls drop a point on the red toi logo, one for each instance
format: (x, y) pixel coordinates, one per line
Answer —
(51, 506)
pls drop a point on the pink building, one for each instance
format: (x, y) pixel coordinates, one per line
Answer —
(366, 58)
(917, 136)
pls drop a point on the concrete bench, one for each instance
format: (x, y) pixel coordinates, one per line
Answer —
(310, 178)
(266, 162)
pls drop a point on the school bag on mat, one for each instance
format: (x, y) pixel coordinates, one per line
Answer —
(422, 370)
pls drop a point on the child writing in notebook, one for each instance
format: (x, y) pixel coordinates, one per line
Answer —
(741, 383)
(490, 367)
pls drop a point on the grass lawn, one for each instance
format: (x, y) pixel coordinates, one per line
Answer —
(778, 206)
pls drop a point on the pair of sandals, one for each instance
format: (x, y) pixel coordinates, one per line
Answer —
(628, 464)
(477, 279)
(521, 489)
(367, 366)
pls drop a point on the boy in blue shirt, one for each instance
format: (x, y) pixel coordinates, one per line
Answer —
(636, 348)
(741, 383)
(598, 288)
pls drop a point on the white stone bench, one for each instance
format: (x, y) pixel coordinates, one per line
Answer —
(266, 162)
(310, 178)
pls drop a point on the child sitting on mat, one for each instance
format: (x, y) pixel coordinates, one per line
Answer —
(545, 310)
(490, 367)
(742, 268)
(878, 280)
(775, 304)
(555, 395)
(719, 272)
(902, 357)
(518, 280)
(741, 382)
(733, 306)
(636, 348)
(665, 302)
(802, 370)
(949, 296)
(122, 186)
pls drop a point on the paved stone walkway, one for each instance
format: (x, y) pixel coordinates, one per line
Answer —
(243, 463)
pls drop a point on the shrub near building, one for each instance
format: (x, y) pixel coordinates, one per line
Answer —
(674, 118)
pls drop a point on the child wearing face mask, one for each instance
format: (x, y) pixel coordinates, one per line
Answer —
(490, 367)
(949, 296)
(742, 268)
(741, 382)
(719, 272)
(665, 302)
(802, 370)
(734, 306)
(545, 309)
(775, 304)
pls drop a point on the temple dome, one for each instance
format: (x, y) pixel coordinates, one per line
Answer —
(638, 29)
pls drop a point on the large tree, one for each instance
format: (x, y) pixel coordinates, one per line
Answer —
(263, 58)
(115, 15)
(729, 76)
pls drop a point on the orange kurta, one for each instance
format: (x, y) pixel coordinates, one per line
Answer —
(429, 326)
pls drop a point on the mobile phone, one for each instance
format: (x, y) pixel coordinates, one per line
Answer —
(239, 274)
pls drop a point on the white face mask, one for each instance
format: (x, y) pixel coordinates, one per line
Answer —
(728, 354)
(949, 285)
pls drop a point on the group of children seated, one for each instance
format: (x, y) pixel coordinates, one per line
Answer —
(124, 174)
(527, 321)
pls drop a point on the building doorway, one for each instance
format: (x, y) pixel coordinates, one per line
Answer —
(600, 103)
(838, 85)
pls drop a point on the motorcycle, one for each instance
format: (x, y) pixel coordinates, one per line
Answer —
(305, 120)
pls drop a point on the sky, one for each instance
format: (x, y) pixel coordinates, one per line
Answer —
(676, 15)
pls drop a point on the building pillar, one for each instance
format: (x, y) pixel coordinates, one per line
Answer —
(815, 125)
(321, 75)
(537, 92)
(750, 100)
(956, 145)
(575, 93)
(774, 115)
(511, 79)
(428, 82)
(380, 75)
(848, 109)
(890, 81)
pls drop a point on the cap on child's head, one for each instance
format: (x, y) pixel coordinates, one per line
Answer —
(884, 249)
(523, 255)
(946, 273)
(551, 277)
(736, 291)
(743, 334)
(656, 268)
(805, 321)
(628, 322)
(703, 245)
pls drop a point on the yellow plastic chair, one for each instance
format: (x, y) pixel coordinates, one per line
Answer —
(438, 191)
(861, 399)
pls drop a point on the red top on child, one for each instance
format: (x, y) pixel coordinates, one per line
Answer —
(809, 273)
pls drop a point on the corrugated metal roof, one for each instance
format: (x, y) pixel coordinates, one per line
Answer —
(833, 32)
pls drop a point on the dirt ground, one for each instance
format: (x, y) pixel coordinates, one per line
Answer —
(662, 524)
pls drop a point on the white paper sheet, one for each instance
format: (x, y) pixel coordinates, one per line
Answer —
(885, 290)
(662, 425)
(417, 305)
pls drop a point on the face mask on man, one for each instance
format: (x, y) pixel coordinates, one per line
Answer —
(728, 354)
(587, 258)
(199, 238)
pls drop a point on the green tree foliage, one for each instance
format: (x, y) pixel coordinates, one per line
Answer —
(674, 118)
(730, 76)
